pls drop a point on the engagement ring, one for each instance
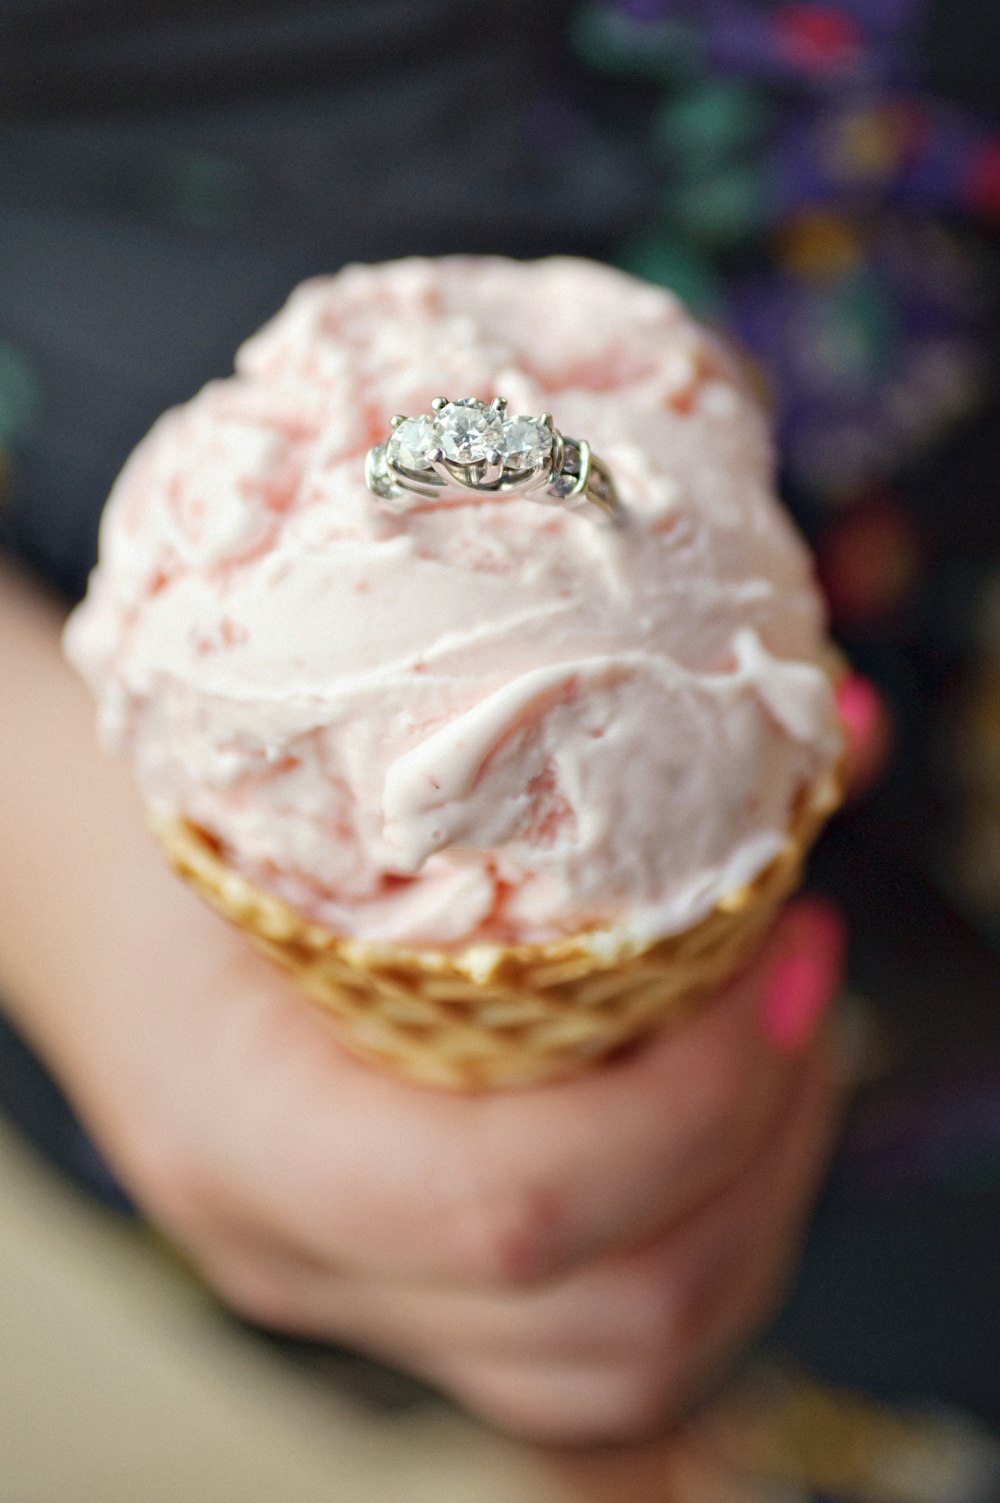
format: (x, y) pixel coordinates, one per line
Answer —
(476, 446)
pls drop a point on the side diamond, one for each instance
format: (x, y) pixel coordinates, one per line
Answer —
(411, 443)
(525, 442)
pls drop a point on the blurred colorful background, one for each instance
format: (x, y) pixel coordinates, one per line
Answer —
(822, 182)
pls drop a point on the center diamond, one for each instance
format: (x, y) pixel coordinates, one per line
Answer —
(468, 430)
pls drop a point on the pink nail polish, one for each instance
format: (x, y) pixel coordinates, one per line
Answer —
(804, 980)
(859, 708)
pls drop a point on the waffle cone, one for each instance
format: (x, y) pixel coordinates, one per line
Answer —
(491, 1016)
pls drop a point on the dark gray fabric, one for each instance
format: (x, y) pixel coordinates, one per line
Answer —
(169, 171)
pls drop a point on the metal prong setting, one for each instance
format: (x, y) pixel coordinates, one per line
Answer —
(472, 447)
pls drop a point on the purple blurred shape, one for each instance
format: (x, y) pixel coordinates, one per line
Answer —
(809, 43)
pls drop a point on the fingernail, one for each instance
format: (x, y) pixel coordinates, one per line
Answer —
(859, 708)
(804, 978)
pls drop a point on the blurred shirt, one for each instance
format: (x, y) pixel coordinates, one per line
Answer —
(169, 169)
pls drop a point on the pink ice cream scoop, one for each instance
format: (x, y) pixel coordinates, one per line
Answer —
(484, 719)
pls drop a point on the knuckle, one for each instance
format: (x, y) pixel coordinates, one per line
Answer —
(643, 1397)
(508, 1237)
(254, 1295)
(168, 1180)
(178, 1186)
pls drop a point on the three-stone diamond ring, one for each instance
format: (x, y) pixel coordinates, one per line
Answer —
(472, 446)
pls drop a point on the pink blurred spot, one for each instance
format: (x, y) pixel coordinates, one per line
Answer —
(981, 186)
(804, 976)
(817, 37)
(866, 727)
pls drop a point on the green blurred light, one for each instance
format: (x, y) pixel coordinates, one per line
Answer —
(611, 42)
(706, 126)
(665, 261)
(20, 394)
(724, 207)
(859, 332)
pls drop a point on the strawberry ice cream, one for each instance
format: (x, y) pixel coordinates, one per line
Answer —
(494, 721)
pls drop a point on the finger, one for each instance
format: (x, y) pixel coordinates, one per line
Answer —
(660, 1298)
(698, 1296)
(867, 728)
(618, 1350)
(771, 1205)
(644, 1140)
(650, 1307)
(364, 1171)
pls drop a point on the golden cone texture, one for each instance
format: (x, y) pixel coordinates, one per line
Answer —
(490, 1016)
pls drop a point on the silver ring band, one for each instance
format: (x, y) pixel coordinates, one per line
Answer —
(472, 446)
